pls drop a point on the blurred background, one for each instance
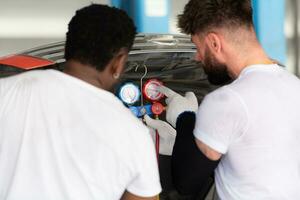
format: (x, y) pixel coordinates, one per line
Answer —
(29, 23)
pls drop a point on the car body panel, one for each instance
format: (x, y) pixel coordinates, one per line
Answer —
(25, 62)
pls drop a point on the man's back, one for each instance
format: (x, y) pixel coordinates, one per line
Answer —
(62, 138)
(259, 135)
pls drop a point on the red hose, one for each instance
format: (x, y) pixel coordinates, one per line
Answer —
(157, 144)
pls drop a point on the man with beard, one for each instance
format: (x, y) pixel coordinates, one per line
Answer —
(250, 126)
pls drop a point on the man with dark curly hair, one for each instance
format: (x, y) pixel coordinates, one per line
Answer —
(250, 125)
(64, 136)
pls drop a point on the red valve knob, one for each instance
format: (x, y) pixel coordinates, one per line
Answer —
(157, 108)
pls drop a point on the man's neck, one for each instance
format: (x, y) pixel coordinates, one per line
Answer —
(253, 56)
(83, 72)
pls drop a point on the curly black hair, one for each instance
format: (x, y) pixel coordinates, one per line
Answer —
(202, 15)
(96, 33)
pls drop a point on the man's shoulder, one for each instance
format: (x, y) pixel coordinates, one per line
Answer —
(23, 80)
(222, 93)
(239, 88)
(225, 97)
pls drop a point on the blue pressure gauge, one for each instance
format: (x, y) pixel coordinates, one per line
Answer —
(129, 93)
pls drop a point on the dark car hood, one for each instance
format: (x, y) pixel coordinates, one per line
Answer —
(169, 58)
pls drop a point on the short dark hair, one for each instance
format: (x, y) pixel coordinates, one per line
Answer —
(202, 15)
(96, 33)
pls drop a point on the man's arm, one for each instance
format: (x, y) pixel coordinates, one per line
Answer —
(129, 196)
(190, 167)
(207, 151)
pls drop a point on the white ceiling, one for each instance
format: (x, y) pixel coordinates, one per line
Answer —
(38, 18)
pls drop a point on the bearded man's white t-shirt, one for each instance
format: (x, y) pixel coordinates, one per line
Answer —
(64, 139)
(255, 123)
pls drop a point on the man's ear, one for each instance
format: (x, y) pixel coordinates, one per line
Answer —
(214, 42)
(119, 62)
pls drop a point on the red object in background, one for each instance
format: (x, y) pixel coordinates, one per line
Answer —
(25, 62)
(157, 144)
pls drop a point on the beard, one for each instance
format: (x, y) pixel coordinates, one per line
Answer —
(216, 72)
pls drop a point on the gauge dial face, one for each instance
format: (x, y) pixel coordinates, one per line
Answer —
(129, 93)
(150, 90)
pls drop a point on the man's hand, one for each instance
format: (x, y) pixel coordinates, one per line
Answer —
(178, 104)
(166, 132)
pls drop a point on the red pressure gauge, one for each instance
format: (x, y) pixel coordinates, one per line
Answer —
(150, 90)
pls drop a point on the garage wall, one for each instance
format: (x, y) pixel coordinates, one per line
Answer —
(28, 23)
(176, 9)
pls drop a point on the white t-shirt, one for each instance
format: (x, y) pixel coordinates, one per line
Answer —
(64, 139)
(255, 123)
